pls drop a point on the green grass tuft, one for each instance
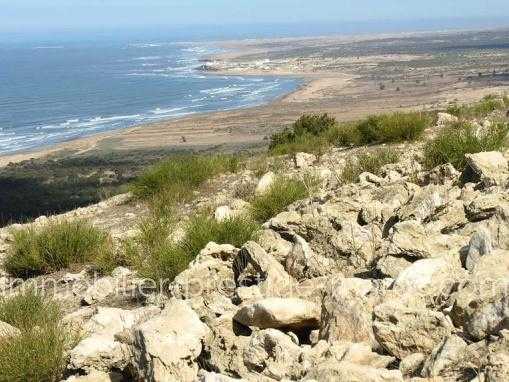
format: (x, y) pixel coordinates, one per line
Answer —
(38, 353)
(480, 109)
(453, 142)
(155, 257)
(203, 229)
(396, 127)
(367, 162)
(282, 193)
(177, 178)
(57, 246)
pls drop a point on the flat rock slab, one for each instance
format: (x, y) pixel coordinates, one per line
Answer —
(280, 313)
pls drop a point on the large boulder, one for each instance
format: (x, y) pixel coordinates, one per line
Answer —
(223, 349)
(490, 168)
(430, 278)
(273, 354)
(445, 357)
(346, 310)
(410, 238)
(253, 266)
(280, 313)
(333, 371)
(99, 350)
(166, 347)
(403, 330)
(208, 282)
(482, 306)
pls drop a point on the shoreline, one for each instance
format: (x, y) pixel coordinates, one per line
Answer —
(363, 77)
(88, 143)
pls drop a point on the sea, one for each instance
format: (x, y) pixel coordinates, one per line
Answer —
(55, 92)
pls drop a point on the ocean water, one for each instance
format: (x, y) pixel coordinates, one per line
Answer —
(50, 93)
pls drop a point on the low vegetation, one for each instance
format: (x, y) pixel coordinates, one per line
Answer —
(203, 229)
(56, 246)
(458, 139)
(367, 162)
(314, 133)
(396, 127)
(480, 109)
(160, 258)
(177, 178)
(282, 193)
(37, 353)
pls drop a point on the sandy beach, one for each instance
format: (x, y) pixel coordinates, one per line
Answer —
(337, 79)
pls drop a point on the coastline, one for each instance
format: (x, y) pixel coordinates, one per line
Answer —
(347, 87)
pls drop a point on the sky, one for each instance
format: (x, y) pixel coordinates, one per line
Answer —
(32, 15)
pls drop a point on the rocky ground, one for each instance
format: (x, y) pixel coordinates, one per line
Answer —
(399, 277)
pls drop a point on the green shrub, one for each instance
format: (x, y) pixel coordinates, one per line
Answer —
(453, 142)
(479, 109)
(203, 229)
(161, 262)
(180, 176)
(155, 257)
(302, 143)
(367, 162)
(57, 246)
(302, 136)
(314, 124)
(282, 193)
(346, 134)
(396, 127)
(28, 310)
(505, 99)
(38, 353)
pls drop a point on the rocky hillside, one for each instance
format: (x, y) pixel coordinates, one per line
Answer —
(400, 276)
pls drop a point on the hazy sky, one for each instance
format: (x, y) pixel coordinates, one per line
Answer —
(36, 14)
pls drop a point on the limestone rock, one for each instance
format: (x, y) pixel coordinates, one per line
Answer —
(402, 330)
(273, 354)
(445, 354)
(390, 266)
(410, 238)
(265, 183)
(253, 266)
(280, 313)
(333, 371)
(346, 311)
(7, 330)
(165, 348)
(412, 364)
(96, 376)
(99, 291)
(223, 350)
(223, 213)
(482, 306)
(303, 263)
(274, 244)
(431, 277)
(99, 351)
(304, 160)
(480, 245)
(490, 168)
(204, 376)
